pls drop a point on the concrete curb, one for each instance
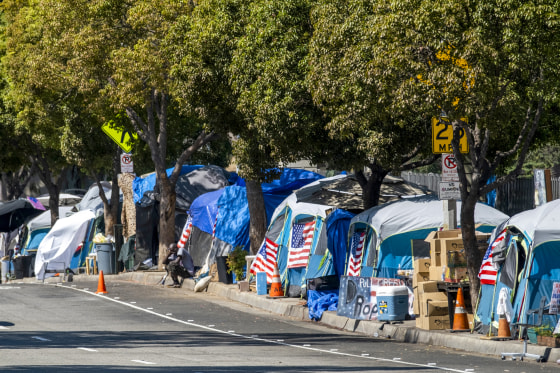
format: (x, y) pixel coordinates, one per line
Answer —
(292, 307)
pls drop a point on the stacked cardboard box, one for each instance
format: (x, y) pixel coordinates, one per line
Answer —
(448, 260)
(432, 307)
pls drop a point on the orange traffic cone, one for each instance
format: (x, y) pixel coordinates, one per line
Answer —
(101, 284)
(503, 327)
(276, 286)
(460, 321)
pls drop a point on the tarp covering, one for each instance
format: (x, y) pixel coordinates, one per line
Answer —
(58, 247)
(345, 192)
(14, 213)
(92, 201)
(38, 227)
(228, 209)
(321, 301)
(140, 185)
(197, 182)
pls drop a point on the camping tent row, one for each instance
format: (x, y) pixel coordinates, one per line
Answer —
(522, 263)
(377, 242)
(218, 221)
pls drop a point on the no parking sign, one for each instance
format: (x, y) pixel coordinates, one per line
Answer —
(127, 166)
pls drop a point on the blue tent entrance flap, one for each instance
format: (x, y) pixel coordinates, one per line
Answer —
(204, 209)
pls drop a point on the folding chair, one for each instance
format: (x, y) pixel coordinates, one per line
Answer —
(523, 332)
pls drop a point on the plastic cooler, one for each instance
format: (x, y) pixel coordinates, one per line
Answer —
(392, 303)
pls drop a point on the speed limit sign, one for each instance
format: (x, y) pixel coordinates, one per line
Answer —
(127, 166)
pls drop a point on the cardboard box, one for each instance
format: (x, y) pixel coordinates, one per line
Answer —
(424, 299)
(427, 287)
(422, 265)
(436, 273)
(436, 322)
(436, 308)
(419, 277)
(444, 242)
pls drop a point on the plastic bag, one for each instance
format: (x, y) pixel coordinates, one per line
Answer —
(100, 238)
(504, 305)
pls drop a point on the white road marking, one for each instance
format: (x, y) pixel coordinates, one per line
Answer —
(306, 345)
(256, 338)
(132, 302)
(190, 320)
(117, 298)
(143, 362)
(41, 339)
(8, 287)
(150, 308)
(231, 331)
(333, 349)
(432, 364)
(87, 349)
(168, 314)
(4, 327)
(211, 325)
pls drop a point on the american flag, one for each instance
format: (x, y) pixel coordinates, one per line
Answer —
(265, 259)
(488, 270)
(356, 250)
(302, 239)
(186, 233)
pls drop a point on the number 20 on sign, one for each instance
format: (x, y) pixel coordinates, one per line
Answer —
(442, 134)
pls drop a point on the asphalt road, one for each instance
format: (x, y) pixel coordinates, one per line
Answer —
(68, 328)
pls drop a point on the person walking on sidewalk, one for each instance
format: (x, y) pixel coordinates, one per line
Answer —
(179, 264)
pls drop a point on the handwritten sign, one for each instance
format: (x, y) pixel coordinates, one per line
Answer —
(358, 296)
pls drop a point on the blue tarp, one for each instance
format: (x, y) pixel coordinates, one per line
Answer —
(204, 209)
(338, 223)
(321, 301)
(232, 206)
(140, 185)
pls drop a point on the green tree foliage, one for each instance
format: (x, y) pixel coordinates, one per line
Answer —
(490, 66)
(359, 80)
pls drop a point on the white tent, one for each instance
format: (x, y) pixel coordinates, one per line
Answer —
(57, 248)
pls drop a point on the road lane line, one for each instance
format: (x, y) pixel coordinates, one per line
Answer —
(87, 349)
(256, 338)
(41, 339)
(143, 362)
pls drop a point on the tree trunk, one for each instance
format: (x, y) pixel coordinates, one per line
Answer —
(257, 213)
(111, 208)
(166, 216)
(472, 253)
(371, 187)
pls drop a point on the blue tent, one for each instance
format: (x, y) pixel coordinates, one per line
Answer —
(220, 219)
(329, 236)
(392, 228)
(527, 266)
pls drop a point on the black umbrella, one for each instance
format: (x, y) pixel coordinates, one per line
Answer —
(15, 213)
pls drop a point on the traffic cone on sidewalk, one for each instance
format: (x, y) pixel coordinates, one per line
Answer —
(460, 321)
(276, 285)
(503, 327)
(101, 289)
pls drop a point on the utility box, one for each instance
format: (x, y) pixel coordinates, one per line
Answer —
(392, 303)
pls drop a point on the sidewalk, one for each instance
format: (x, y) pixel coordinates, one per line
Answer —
(291, 307)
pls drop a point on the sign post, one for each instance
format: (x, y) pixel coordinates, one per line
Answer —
(449, 190)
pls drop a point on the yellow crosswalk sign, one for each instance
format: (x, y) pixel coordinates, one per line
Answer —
(124, 139)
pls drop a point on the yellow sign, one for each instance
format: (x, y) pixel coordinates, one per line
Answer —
(124, 139)
(442, 134)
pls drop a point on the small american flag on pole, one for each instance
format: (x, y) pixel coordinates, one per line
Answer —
(186, 233)
(356, 250)
(488, 271)
(265, 259)
(302, 240)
